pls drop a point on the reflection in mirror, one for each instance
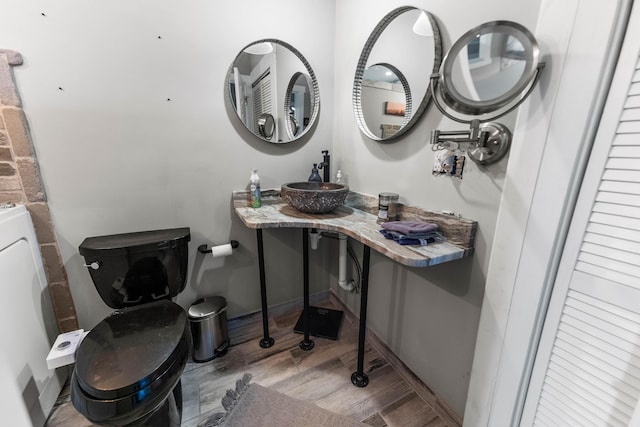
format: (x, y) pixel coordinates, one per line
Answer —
(266, 125)
(385, 87)
(271, 85)
(489, 66)
(406, 43)
(297, 104)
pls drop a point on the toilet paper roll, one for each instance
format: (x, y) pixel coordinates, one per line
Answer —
(221, 250)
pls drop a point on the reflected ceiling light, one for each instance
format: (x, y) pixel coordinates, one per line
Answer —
(260, 48)
(422, 27)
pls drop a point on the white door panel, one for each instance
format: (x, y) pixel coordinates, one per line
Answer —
(587, 368)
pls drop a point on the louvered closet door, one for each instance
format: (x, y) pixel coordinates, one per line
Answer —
(587, 369)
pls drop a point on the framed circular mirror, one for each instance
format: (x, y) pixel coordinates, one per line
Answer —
(489, 67)
(273, 91)
(391, 83)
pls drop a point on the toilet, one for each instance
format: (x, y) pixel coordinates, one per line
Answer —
(128, 367)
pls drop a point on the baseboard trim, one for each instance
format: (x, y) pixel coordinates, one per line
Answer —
(315, 298)
(442, 408)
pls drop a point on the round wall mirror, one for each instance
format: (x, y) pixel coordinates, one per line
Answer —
(391, 84)
(489, 67)
(273, 91)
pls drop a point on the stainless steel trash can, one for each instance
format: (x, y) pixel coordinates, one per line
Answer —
(208, 322)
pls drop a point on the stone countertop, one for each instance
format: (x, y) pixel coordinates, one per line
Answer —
(357, 219)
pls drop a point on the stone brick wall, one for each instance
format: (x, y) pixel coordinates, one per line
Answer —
(20, 183)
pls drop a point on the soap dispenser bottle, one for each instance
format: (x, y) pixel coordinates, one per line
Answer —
(254, 189)
(315, 176)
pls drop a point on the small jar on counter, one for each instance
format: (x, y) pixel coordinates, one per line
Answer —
(387, 207)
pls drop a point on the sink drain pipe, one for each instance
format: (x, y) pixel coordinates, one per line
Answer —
(350, 285)
(347, 285)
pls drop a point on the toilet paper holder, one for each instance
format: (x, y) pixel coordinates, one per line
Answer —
(204, 250)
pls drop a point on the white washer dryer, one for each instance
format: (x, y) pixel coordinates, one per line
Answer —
(27, 323)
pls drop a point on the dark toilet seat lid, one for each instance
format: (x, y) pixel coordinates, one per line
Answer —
(131, 348)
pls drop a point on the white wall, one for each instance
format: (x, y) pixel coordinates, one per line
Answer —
(374, 100)
(117, 156)
(429, 317)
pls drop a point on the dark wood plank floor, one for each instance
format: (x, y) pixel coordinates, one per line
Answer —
(321, 376)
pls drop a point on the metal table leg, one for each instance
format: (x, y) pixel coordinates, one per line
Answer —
(306, 343)
(266, 341)
(359, 378)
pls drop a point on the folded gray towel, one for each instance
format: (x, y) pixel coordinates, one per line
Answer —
(422, 239)
(410, 228)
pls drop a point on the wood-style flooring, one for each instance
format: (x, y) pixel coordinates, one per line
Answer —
(321, 376)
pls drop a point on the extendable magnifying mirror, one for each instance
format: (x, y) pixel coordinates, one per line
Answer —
(488, 72)
(266, 126)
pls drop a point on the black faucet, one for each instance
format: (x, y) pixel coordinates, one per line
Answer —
(325, 166)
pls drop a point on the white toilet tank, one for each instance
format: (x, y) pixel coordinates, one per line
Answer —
(27, 323)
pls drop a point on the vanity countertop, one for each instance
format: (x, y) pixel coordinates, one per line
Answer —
(357, 219)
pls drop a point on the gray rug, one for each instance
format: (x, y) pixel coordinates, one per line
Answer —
(257, 406)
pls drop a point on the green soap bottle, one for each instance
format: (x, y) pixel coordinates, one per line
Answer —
(254, 189)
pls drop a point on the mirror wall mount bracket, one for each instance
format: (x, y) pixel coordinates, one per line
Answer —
(485, 143)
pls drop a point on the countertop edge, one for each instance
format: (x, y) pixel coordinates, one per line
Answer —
(359, 224)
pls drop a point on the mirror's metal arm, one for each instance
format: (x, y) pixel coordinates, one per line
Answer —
(451, 141)
(472, 138)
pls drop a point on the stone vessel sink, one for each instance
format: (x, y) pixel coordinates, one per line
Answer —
(314, 197)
